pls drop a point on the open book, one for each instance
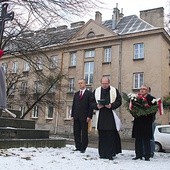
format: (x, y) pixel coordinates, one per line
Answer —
(103, 102)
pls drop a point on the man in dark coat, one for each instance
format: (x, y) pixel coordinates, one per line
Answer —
(109, 139)
(82, 115)
(142, 129)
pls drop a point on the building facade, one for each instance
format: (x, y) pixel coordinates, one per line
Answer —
(131, 50)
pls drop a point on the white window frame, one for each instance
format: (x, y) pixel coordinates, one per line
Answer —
(12, 89)
(15, 67)
(22, 109)
(89, 53)
(5, 66)
(138, 80)
(37, 87)
(89, 72)
(35, 112)
(39, 63)
(107, 54)
(53, 62)
(53, 89)
(47, 115)
(68, 113)
(26, 66)
(73, 59)
(23, 87)
(71, 84)
(138, 51)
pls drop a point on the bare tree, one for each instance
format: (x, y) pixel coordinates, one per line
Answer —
(24, 43)
(167, 23)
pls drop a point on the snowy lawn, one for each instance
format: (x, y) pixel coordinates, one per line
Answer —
(67, 159)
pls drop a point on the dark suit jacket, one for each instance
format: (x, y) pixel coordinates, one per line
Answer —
(81, 107)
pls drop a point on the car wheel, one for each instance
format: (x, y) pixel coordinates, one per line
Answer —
(158, 147)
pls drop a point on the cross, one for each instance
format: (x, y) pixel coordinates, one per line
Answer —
(4, 16)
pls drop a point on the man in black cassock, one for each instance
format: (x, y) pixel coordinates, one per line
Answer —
(105, 99)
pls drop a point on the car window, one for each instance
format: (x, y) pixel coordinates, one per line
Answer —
(164, 130)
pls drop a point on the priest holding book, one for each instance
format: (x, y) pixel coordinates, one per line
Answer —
(105, 100)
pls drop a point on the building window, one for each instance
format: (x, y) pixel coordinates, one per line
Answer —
(39, 63)
(71, 85)
(26, 66)
(22, 109)
(107, 54)
(14, 67)
(12, 90)
(68, 112)
(138, 80)
(91, 34)
(35, 112)
(73, 59)
(88, 72)
(49, 112)
(23, 87)
(52, 89)
(89, 53)
(53, 61)
(37, 87)
(139, 51)
(4, 66)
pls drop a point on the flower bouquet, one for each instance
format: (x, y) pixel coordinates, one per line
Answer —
(137, 105)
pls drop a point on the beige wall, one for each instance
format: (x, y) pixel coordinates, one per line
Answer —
(155, 67)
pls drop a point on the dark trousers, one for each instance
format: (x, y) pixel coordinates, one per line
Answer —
(80, 129)
(109, 143)
(142, 147)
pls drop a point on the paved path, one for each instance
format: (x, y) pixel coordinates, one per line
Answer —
(127, 144)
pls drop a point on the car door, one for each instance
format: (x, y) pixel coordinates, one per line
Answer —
(165, 137)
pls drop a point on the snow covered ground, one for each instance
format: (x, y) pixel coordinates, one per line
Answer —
(67, 159)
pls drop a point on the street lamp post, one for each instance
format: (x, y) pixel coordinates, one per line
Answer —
(4, 16)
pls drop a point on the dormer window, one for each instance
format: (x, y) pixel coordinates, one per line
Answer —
(90, 34)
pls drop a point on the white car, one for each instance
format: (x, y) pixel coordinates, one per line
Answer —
(162, 138)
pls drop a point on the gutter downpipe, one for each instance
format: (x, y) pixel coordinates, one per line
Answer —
(120, 72)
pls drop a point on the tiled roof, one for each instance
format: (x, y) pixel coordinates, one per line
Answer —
(129, 24)
(41, 39)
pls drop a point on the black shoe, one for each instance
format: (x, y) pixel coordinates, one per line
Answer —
(152, 154)
(110, 158)
(135, 158)
(147, 159)
(102, 157)
(83, 151)
(76, 150)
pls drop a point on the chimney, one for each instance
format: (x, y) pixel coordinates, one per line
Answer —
(77, 24)
(62, 27)
(154, 16)
(98, 17)
(116, 16)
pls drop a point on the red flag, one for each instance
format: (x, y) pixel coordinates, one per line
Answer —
(1, 53)
(130, 105)
(160, 107)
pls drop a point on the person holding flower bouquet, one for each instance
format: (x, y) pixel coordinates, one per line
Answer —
(142, 125)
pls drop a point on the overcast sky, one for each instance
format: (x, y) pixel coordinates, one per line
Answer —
(130, 7)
